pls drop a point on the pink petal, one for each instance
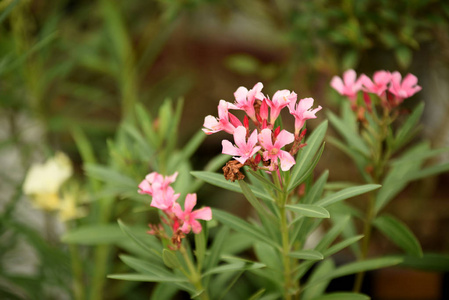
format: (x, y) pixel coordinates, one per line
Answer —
(229, 149)
(204, 213)
(240, 94)
(178, 211)
(240, 137)
(145, 187)
(284, 138)
(252, 140)
(196, 226)
(349, 77)
(287, 160)
(337, 84)
(190, 202)
(409, 80)
(382, 77)
(265, 138)
(305, 104)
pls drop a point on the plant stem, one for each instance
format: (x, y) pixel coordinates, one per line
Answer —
(195, 277)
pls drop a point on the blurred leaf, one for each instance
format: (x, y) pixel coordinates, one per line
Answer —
(341, 245)
(309, 210)
(343, 296)
(350, 59)
(237, 266)
(322, 269)
(307, 154)
(427, 172)
(110, 176)
(399, 234)
(200, 247)
(403, 56)
(216, 249)
(244, 227)
(95, 234)
(435, 262)
(306, 255)
(8, 10)
(257, 294)
(352, 138)
(150, 244)
(356, 267)
(406, 132)
(170, 259)
(333, 233)
(144, 266)
(347, 193)
(263, 213)
(220, 181)
(147, 278)
(242, 64)
(316, 191)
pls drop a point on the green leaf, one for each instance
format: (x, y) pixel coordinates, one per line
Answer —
(257, 294)
(149, 244)
(356, 267)
(404, 56)
(97, 234)
(110, 176)
(428, 262)
(318, 289)
(332, 234)
(427, 172)
(309, 210)
(145, 267)
(8, 10)
(343, 296)
(216, 248)
(220, 181)
(341, 245)
(237, 266)
(347, 193)
(170, 259)
(351, 137)
(307, 255)
(263, 213)
(146, 123)
(307, 154)
(189, 149)
(408, 129)
(399, 234)
(307, 172)
(147, 278)
(200, 247)
(242, 226)
(317, 189)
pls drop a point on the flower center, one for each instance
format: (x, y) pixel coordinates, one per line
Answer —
(274, 151)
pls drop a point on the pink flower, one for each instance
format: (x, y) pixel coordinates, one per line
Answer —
(155, 181)
(164, 199)
(380, 84)
(403, 90)
(280, 100)
(226, 121)
(273, 151)
(349, 86)
(245, 149)
(302, 112)
(188, 217)
(245, 99)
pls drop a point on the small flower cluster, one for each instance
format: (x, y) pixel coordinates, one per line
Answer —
(264, 144)
(389, 87)
(164, 198)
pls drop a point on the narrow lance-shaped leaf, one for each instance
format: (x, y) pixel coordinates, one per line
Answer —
(347, 193)
(307, 153)
(309, 210)
(306, 255)
(399, 234)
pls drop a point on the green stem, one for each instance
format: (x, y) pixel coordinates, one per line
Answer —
(77, 272)
(195, 277)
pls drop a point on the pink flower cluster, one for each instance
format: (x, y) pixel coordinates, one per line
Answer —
(164, 198)
(264, 143)
(390, 87)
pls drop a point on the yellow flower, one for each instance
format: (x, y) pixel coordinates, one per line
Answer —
(43, 181)
(68, 209)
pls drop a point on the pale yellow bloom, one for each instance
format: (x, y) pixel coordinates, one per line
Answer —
(43, 181)
(68, 209)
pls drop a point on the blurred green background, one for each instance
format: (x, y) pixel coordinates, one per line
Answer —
(71, 66)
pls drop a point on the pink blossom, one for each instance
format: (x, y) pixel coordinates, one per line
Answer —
(226, 121)
(155, 181)
(349, 86)
(302, 112)
(164, 199)
(406, 89)
(280, 100)
(380, 82)
(273, 151)
(245, 149)
(188, 217)
(245, 99)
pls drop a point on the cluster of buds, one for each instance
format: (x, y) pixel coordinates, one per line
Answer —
(262, 147)
(164, 198)
(389, 87)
